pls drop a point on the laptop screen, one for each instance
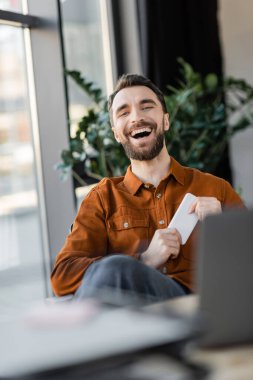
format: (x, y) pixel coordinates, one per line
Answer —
(225, 277)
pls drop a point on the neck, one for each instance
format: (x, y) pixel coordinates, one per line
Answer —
(152, 171)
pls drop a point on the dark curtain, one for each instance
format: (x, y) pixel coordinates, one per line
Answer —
(180, 28)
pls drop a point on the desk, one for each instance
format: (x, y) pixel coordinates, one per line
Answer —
(25, 349)
(53, 338)
(231, 363)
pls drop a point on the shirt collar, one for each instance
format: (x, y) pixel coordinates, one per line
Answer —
(177, 171)
(133, 183)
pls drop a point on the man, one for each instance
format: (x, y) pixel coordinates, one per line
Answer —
(120, 238)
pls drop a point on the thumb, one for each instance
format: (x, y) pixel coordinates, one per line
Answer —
(192, 208)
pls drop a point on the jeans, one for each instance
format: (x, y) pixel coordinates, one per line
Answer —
(122, 280)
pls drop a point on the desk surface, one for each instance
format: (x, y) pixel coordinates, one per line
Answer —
(25, 348)
(65, 335)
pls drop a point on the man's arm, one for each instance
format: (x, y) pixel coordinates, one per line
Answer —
(166, 243)
(86, 243)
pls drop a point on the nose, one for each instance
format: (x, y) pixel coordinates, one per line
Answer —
(136, 116)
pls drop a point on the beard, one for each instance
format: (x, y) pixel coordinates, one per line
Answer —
(147, 154)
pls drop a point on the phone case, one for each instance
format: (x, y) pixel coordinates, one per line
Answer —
(182, 220)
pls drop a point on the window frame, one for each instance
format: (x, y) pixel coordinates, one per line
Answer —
(48, 113)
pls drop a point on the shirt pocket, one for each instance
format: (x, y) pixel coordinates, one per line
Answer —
(128, 234)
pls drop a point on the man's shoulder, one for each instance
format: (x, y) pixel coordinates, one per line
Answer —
(207, 184)
(110, 181)
(187, 174)
(201, 175)
(108, 184)
(103, 190)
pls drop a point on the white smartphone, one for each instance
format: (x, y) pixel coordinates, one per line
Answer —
(182, 220)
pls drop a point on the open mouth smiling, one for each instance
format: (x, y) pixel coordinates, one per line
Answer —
(140, 133)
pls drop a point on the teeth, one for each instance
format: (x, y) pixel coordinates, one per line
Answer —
(141, 130)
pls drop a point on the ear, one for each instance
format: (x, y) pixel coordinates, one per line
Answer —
(166, 122)
(116, 135)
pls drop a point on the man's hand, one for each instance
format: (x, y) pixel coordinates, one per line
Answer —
(164, 245)
(205, 206)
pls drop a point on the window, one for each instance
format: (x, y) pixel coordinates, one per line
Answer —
(86, 46)
(21, 256)
(36, 209)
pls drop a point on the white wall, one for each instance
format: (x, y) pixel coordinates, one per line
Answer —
(236, 27)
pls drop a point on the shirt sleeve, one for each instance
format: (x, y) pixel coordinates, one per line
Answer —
(230, 198)
(86, 243)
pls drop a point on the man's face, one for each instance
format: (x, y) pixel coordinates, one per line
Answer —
(139, 122)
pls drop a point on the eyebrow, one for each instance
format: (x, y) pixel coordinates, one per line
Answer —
(120, 108)
(143, 101)
(147, 100)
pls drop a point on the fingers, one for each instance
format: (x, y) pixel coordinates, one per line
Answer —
(192, 207)
(169, 240)
(205, 206)
(170, 234)
(165, 244)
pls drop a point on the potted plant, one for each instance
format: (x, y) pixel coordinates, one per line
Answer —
(93, 145)
(204, 114)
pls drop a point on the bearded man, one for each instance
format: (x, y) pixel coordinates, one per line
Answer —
(120, 241)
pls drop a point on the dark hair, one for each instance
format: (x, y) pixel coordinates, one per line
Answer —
(131, 80)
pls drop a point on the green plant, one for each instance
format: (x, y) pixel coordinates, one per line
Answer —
(204, 114)
(93, 144)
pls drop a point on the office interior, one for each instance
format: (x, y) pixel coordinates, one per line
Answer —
(102, 39)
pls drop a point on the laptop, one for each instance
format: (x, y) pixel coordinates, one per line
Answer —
(225, 278)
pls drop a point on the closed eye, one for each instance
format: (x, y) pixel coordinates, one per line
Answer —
(125, 113)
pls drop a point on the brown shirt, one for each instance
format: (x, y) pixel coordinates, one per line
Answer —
(121, 215)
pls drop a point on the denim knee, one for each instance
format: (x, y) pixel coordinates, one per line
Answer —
(108, 270)
(115, 264)
(117, 259)
(124, 273)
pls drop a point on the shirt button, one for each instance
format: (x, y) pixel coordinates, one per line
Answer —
(125, 225)
(164, 270)
(146, 186)
(161, 221)
(158, 195)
